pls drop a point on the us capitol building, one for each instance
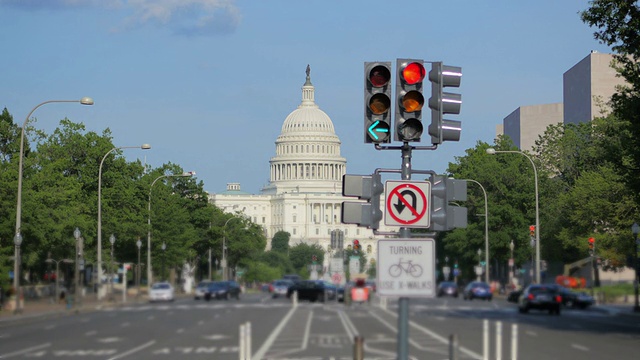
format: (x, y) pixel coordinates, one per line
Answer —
(304, 193)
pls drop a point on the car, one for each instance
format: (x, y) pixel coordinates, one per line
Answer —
(477, 290)
(514, 296)
(574, 299)
(222, 290)
(447, 288)
(313, 290)
(280, 287)
(161, 291)
(201, 289)
(292, 277)
(540, 297)
(371, 284)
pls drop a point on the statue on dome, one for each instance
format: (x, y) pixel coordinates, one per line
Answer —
(308, 70)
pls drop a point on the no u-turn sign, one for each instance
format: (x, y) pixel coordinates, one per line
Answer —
(407, 203)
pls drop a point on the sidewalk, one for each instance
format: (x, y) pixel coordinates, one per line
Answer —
(49, 307)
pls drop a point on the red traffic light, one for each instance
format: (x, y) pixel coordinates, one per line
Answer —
(591, 240)
(356, 242)
(379, 76)
(413, 73)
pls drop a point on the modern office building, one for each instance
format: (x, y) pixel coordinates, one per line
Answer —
(587, 88)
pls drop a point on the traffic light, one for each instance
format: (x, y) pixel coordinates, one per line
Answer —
(365, 187)
(532, 231)
(441, 103)
(410, 74)
(592, 242)
(356, 246)
(377, 100)
(444, 216)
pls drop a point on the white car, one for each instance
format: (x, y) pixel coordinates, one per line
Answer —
(162, 291)
(201, 289)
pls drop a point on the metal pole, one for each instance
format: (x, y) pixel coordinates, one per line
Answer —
(209, 263)
(403, 302)
(453, 347)
(55, 295)
(486, 230)
(16, 279)
(358, 348)
(636, 307)
(485, 339)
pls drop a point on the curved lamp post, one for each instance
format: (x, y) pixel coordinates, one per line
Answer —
(99, 257)
(83, 101)
(149, 272)
(77, 235)
(17, 240)
(164, 247)
(139, 245)
(635, 229)
(492, 151)
(112, 240)
(511, 263)
(486, 231)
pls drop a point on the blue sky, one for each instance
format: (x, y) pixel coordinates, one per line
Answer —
(208, 83)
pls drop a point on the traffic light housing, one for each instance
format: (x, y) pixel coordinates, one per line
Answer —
(364, 187)
(356, 246)
(410, 74)
(377, 101)
(532, 231)
(441, 103)
(446, 217)
(592, 242)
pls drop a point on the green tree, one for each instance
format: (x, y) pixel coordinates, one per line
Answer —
(280, 242)
(301, 256)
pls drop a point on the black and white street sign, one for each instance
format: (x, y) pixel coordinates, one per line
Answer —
(407, 203)
(406, 267)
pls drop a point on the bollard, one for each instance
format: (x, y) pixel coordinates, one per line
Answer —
(358, 348)
(294, 298)
(241, 346)
(514, 341)
(248, 340)
(485, 339)
(498, 340)
(453, 347)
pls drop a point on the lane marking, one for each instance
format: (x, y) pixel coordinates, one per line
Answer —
(579, 347)
(24, 351)
(134, 350)
(272, 337)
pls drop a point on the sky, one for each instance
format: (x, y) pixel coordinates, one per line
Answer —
(209, 83)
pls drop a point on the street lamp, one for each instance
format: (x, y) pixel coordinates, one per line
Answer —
(77, 235)
(486, 230)
(57, 262)
(479, 269)
(149, 272)
(112, 240)
(17, 240)
(138, 244)
(83, 101)
(635, 229)
(223, 263)
(511, 263)
(492, 151)
(99, 257)
(164, 247)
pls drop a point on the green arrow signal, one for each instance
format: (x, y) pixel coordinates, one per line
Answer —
(378, 128)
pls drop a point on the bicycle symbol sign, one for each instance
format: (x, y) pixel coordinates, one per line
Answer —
(406, 267)
(407, 203)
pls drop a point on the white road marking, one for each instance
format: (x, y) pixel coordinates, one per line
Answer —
(24, 351)
(134, 350)
(274, 334)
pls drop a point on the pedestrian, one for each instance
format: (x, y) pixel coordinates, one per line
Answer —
(62, 296)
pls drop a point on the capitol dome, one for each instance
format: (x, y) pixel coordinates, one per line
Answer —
(307, 150)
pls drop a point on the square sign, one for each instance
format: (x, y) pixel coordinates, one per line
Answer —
(406, 267)
(406, 204)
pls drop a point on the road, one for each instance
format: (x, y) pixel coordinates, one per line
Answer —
(197, 329)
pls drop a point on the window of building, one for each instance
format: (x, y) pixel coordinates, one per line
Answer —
(317, 231)
(369, 249)
(294, 218)
(264, 220)
(294, 231)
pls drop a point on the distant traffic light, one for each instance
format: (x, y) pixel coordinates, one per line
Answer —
(410, 74)
(377, 100)
(356, 246)
(441, 103)
(591, 244)
(532, 231)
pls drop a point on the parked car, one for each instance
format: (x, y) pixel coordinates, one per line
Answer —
(161, 291)
(313, 290)
(477, 290)
(222, 290)
(280, 287)
(201, 289)
(540, 297)
(575, 299)
(447, 288)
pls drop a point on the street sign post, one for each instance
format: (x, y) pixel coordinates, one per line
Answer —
(406, 267)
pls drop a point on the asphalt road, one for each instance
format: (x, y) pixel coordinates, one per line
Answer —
(197, 329)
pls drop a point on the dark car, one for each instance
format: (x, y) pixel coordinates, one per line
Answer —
(280, 287)
(313, 290)
(447, 288)
(540, 297)
(222, 290)
(514, 296)
(477, 290)
(573, 299)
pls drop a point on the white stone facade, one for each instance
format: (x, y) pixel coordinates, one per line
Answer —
(304, 194)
